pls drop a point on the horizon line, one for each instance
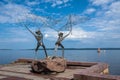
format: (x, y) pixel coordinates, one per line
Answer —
(68, 49)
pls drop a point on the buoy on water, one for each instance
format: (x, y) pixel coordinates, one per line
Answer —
(98, 50)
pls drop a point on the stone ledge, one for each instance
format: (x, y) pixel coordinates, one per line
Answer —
(79, 71)
(95, 72)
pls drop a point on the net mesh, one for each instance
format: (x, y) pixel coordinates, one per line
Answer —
(59, 24)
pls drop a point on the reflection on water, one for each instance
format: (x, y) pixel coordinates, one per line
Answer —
(108, 56)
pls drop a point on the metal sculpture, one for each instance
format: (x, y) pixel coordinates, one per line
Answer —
(39, 37)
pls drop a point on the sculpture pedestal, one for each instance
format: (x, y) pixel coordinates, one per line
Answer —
(51, 64)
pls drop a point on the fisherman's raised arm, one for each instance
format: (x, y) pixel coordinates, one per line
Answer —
(68, 33)
(70, 26)
(41, 37)
(29, 30)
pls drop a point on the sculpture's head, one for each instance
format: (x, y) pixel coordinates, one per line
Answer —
(60, 34)
(38, 32)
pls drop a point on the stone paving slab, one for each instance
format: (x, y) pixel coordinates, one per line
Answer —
(11, 78)
(23, 71)
(23, 68)
(2, 77)
(22, 76)
(76, 70)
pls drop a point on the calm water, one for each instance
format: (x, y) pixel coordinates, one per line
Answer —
(112, 57)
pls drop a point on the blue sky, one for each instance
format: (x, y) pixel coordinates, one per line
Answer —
(97, 23)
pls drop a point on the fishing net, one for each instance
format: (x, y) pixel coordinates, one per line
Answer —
(63, 23)
(32, 21)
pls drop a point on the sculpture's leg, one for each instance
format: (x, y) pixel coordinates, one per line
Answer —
(35, 56)
(56, 48)
(45, 51)
(36, 49)
(62, 50)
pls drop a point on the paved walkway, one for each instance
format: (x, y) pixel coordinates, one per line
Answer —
(22, 72)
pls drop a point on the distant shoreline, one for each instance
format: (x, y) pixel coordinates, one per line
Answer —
(70, 49)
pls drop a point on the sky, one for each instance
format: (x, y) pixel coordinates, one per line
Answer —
(97, 23)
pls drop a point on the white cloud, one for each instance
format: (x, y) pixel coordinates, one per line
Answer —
(90, 10)
(113, 10)
(106, 19)
(12, 12)
(77, 34)
(65, 5)
(55, 3)
(100, 2)
(65, 1)
(11, 40)
(21, 34)
(59, 2)
(77, 19)
(15, 34)
(49, 33)
(32, 3)
(105, 22)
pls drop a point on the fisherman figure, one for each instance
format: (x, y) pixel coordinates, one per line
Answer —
(39, 37)
(59, 40)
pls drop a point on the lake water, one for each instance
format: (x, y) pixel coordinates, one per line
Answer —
(111, 57)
